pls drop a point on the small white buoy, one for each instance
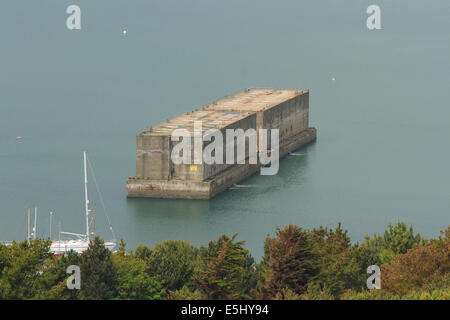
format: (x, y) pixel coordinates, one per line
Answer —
(333, 79)
(124, 32)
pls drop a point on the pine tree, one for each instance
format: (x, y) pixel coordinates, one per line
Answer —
(133, 279)
(98, 275)
(289, 262)
(220, 277)
(22, 266)
(173, 261)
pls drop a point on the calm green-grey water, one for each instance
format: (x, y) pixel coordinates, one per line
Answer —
(382, 153)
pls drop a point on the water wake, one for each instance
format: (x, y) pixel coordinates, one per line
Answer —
(297, 154)
(236, 186)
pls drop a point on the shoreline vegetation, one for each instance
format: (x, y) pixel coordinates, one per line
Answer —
(298, 264)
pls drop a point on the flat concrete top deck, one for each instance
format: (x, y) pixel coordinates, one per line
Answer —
(210, 120)
(254, 100)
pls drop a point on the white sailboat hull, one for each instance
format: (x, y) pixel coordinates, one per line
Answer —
(75, 246)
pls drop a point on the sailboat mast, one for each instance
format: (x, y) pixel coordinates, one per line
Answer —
(93, 220)
(59, 236)
(86, 196)
(29, 226)
(51, 216)
(35, 220)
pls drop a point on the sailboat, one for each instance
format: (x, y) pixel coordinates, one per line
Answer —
(81, 241)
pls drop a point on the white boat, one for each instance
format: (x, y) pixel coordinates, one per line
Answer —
(61, 247)
(81, 243)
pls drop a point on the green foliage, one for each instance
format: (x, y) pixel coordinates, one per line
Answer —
(298, 264)
(121, 249)
(185, 294)
(316, 291)
(368, 295)
(419, 266)
(400, 239)
(438, 289)
(222, 271)
(397, 239)
(173, 261)
(54, 281)
(249, 277)
(342, 266)
(286, 294)
(23, 266)
(339, 262)
(98, 275)
(289, 262)
(133, 279)
(143, 252)
(313, 292)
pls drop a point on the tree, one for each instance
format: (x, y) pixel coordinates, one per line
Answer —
(289, 260)
(396, 239)
(133, 279)
(185, 294)
(22, 266)
(338, 261)
(173, 261)
(418, 266)
(53, 281)
(400, 239)
(250, 275)
(143, 252)
(98, 275)
(220, 276)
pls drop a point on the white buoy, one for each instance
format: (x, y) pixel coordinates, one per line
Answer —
(124, 32)
(333, 79)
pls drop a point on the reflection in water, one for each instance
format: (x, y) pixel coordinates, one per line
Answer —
(143, 207)
(155, 220)
(294, 168)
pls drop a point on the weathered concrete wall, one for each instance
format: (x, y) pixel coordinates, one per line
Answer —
(152, 157)
(158, 177)
(187, 172)
(200, 172)
(143, 188)
(210, 170)
(214, 185)
(154, 147)
(289, 116)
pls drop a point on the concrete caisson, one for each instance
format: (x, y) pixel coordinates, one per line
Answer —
(159, 177)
